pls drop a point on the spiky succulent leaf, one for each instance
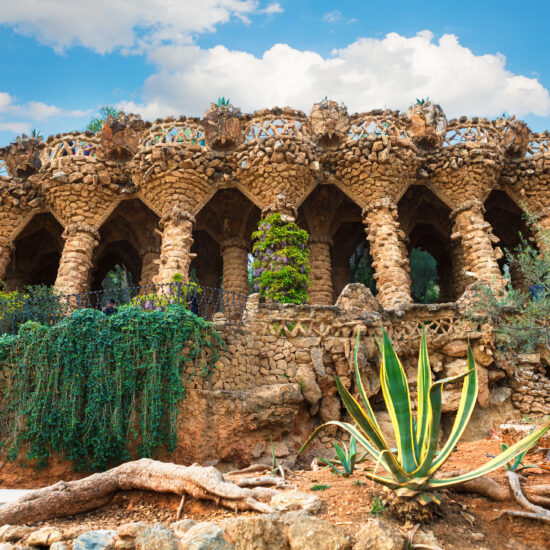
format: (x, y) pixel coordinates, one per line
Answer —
(431, 438)
(368, 409)
(360, 417)
(423, 385)
(509, 454)
(398, 401)
(465, 408)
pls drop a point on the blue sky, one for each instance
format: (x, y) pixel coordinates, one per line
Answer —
(62, 59)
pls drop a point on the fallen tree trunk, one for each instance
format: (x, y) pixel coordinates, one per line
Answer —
(74, 497)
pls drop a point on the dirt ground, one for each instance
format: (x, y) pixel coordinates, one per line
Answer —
(465, 522)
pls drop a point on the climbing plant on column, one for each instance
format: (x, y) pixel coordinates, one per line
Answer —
(281, 261)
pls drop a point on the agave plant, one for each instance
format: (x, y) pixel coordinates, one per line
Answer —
(411, 469)
(222, 102)
(347, 458)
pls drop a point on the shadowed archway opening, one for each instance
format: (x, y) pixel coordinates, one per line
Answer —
(433, 264)
(128, 248)
(222, 241)
(336, 241)
(506, 219)
(36, 255)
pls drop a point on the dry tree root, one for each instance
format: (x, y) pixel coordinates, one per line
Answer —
(533, 511)
(67, 499)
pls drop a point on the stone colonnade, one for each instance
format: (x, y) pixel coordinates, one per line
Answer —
(472, 250)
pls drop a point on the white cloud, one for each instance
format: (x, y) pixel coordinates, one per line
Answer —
(133, 25)
(15, 127)
(18, 118)
(332, 16)
(369, 73)
(273, 9)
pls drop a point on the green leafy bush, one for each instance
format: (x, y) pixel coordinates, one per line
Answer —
(521, 314)
(98, 389)
(281, 261)
(35, 302)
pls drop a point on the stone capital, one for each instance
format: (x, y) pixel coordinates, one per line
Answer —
(474, 204)
(6, 244)
(382, 204)
(320, 239)
(75, 228)
(234, 242)
(176, 214)
(288, 211)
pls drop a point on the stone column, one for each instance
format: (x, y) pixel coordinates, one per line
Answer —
(478, 255)
(235, 265)
(340, 278)
(175, 251)
(75, 266)
(5, 256)
(149, 266)
(320, 291)
(389, 252)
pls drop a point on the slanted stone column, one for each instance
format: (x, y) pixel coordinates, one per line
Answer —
(478, 255)
(389, 252)
(75, 266)
(5, 256)
(150, 259)
(175, 251)
(235, 265)
(320, 291)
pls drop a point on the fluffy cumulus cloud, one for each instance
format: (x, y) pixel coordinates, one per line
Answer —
(132, 25)
(369, 73)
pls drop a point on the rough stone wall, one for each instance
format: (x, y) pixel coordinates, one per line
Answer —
(276, 158)
(531, 385)
(276, 377)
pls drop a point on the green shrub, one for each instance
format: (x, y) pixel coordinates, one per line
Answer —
(96, 388)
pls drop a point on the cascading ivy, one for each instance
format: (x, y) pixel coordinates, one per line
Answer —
(97, 389)
(281, 261)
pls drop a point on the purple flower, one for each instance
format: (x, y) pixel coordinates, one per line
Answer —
(302, 270)
(285, 260)
(256, 273)
(256, 287)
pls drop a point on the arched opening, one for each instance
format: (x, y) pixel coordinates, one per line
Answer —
(206, 267)
(36, 254)
(506, 219)
(337, 241)
(222, 241)
(433, 264)
(128, 250)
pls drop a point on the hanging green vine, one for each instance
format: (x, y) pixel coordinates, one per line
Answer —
(97, 389)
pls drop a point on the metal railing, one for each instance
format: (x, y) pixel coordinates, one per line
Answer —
(50, 309)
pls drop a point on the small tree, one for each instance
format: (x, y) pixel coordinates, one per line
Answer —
(104, 112)
(424, 276)
(521, 315)
(281, 261)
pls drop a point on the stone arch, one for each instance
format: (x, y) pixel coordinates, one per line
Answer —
(222, 240)
(507, 222)
(129, 237)
(36, 254)
(335, 229)
(425, 219)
